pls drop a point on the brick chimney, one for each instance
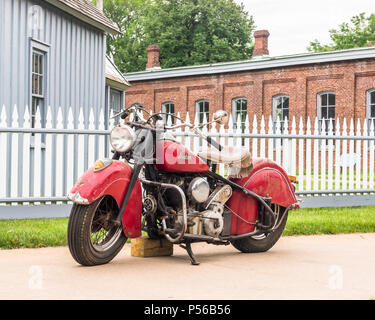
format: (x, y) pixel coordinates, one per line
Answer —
(153, 57)
(99, 5)
(261, 43)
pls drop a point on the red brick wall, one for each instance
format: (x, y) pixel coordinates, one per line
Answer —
(349, 81)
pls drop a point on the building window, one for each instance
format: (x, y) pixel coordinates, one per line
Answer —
(280, 110)
(370, 110)
(115, 103)
(38, 66)
(202, 111)
(326, 109)
(239, 111)
(168, 107)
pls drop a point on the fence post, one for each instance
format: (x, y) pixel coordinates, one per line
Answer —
(3, 144)
(270, 140)
(308, 155)
(255, 141)
(365, 156)
(371, 167)
(330, 155)
(359, 154)
(50, 177)
(26, 156)
(337, 157)
(301, 162)
(344, 155)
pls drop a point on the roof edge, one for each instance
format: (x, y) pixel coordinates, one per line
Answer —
(79, 15)
(254, 64)
(124, 81)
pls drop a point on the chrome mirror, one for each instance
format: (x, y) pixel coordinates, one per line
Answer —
(221, 117)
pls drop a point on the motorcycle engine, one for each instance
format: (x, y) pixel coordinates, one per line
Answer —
(205, 206)
(210, 221)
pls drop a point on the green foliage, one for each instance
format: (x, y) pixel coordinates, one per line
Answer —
(360, 33)
(189, 32)
(129, 48)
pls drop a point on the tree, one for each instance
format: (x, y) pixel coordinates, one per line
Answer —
(128, 48)
(360, 33)
(189, 32)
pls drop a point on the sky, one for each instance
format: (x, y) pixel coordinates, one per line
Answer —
(292, 24)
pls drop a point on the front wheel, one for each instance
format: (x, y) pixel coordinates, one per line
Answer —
(93, 237)
(266, 241)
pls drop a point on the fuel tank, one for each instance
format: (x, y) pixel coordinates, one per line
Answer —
(171, 156)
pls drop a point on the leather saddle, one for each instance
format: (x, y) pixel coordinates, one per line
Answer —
(238, 159)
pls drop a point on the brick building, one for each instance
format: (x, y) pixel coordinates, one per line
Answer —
(327, 85)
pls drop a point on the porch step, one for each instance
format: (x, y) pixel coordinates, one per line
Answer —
(146, 247)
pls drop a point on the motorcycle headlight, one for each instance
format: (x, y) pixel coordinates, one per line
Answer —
(122, 138)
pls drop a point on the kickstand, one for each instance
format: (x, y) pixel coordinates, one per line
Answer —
(187, 247)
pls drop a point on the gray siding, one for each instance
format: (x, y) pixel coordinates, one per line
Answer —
(76, 58)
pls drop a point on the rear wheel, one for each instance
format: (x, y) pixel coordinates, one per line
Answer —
(93, 237)
(266, 241)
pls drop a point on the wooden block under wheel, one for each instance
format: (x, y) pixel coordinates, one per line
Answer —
(146, 247)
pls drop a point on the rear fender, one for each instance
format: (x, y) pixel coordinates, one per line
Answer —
(268, 179)
(113, 181)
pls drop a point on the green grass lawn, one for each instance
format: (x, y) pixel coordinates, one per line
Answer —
(331, 221)
(52, 232)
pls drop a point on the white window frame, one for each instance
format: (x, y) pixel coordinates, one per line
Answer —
(199, 112)
(42, 49)
(274, 109)
(235, 112)
(369, 104)
(164, 108)
(319, 109)
(274, 106)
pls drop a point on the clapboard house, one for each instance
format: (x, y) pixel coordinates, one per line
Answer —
(53, 54)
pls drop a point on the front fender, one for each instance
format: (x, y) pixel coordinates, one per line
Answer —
(113, 181)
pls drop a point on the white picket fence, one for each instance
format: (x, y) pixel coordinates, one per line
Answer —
(40, 165)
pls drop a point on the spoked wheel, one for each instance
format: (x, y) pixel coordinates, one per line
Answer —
(264, 242)
(93, 237)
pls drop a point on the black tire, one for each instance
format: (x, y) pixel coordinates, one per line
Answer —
(259, 243)
(86, 221)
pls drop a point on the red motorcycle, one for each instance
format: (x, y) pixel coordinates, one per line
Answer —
(156, 185)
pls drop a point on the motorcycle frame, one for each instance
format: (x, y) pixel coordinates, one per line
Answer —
(209, 174)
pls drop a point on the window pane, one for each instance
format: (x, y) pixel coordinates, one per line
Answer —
(285, 114)
(203, 111)
(40, 64)
(286, 103)
(331, 99)
(115, 100)
(35, 63)
(372, 111)
(372, 97)
(40, 85)
(205, 106)
(323, 100)
(331, 112)
(324, 113)
(279, 103)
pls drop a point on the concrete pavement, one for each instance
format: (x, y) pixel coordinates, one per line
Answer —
(298, 267)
